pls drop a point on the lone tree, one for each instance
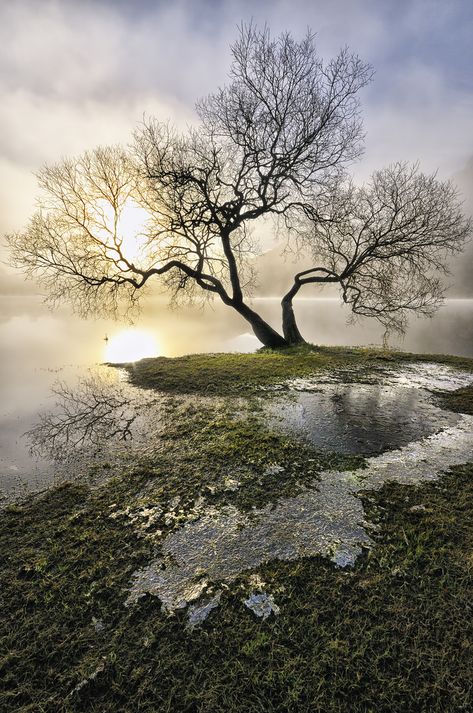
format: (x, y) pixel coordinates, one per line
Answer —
(276, 141)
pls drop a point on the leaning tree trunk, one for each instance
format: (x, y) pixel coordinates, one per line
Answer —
(289, 325)
(265, 333)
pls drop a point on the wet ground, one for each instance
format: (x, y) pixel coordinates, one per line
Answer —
(351, 411)
(326, 519)
(389, 414)
(395, 416)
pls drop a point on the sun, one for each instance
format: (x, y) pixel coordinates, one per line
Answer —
(131, 345)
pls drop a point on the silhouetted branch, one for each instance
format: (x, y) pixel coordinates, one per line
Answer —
(385, 243)
(177, 208)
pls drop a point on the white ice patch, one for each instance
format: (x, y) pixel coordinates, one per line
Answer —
(326, 519)
(198, 613)
(426, 375)
(262, 605)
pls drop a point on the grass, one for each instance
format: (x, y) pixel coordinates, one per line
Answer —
(203, 446)
(223, 374)
(460, 400)
(394, 632)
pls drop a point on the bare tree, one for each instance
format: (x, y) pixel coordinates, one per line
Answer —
(383, 244)
(276, 141)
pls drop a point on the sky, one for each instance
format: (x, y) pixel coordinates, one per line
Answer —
(78, 73)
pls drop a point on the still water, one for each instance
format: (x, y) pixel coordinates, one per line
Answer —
(37, 348)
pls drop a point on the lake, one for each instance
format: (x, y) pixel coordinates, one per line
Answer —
(38, 347)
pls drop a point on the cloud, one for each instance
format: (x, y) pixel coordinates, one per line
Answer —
(74, 74)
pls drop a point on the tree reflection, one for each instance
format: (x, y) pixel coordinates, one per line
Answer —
(90, 415)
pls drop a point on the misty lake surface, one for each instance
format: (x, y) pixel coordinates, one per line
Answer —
(37, 348)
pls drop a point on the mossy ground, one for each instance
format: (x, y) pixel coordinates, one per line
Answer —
(393, 633)
(224, 374)
(460, 400)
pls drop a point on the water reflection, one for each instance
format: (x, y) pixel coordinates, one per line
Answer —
(86, 415)
(99, 415)
(95, 417)
(360, 418)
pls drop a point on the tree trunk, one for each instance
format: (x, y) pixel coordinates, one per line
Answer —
(289, 326)
(265, 333)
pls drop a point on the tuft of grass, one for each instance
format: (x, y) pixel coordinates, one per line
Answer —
(460, 400)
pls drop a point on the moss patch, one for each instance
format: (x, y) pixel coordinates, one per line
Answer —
(64, 561)
(242, 373)
(392, 634)
(460, 400)
(209, 450)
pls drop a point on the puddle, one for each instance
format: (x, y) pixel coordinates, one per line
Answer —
(391, 407)
(359, 418)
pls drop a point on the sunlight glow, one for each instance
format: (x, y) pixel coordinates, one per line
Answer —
(129, 229)
(132, 222)
(131, 345)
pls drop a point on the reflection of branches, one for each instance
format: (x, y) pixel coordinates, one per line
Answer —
(95, 411)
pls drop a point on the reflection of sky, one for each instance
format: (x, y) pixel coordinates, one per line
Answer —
(361, 418)
(35, 345)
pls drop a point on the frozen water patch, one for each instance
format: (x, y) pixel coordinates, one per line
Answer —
(422, 460)
(425, 375)
(262, 605)
(198, 613)
(327, 519)
(431, 376)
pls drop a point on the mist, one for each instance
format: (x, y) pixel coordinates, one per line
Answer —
(77, 74)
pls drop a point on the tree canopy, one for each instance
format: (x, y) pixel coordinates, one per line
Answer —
(276, 141)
